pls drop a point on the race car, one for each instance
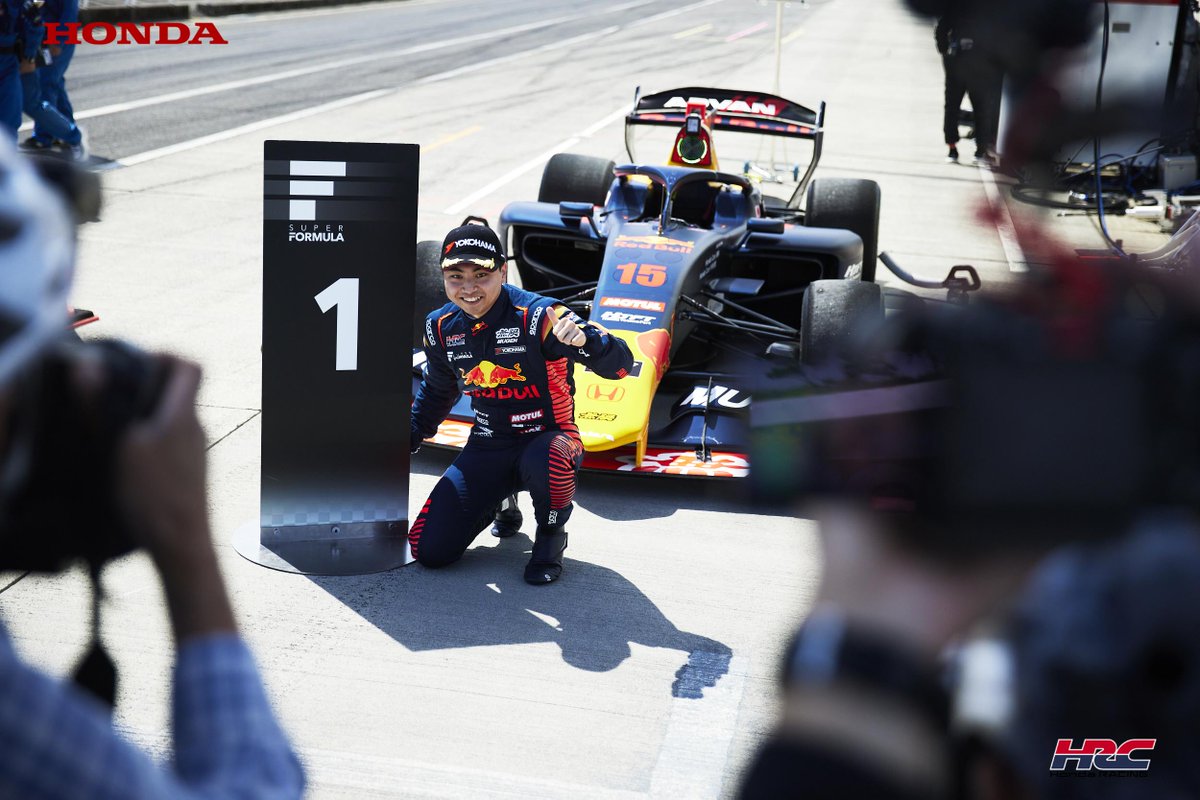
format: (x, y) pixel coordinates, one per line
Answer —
(704, 275)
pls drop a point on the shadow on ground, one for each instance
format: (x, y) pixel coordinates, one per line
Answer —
(623, 497)
(593, 614)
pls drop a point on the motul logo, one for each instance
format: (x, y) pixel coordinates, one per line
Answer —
(60, 33)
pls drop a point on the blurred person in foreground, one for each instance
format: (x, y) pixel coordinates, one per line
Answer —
(56, 740)
(943, 458)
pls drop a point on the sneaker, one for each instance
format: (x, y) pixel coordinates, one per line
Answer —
(34, 143)
(984, 160)
(953, 154)
(79, 150)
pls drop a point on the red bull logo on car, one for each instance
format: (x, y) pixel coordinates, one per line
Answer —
(488, 375)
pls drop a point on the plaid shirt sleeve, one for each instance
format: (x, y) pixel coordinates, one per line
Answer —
(56, 742)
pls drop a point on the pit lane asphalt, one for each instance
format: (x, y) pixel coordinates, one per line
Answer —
(466, 682)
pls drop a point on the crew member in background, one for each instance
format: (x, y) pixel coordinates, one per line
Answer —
(52, 76)
(511, 351)
(16, 31)
(971, 70)
(45, 115)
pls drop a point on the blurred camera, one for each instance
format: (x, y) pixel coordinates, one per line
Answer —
(1005, 425)
(58, 482)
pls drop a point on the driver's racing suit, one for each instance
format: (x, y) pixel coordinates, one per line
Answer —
(519, 377)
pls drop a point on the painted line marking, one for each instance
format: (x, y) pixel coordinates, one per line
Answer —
(478, 65)
(229, 86)
(693, 31)
(451, 138)
(221, 136)
(1013, 253)
(673, 13)
(695, 747)
(150, 155)
(794, 35)
(299, 72)
(747, 32)
(537, 161)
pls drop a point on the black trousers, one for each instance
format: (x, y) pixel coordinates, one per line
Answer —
(973, 75)
(485, 472)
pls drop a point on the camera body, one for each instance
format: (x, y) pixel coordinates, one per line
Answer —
(58, 499)
(996, 427)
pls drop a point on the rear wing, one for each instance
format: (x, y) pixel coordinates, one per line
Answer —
(748, 112)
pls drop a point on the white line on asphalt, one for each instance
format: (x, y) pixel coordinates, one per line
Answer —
(695, 748)
(221, 136)
(673, 12)
(228, 86)
(478, 65)
(537, 161)
(1004, 225)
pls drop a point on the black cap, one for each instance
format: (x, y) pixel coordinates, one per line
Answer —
(469, 242)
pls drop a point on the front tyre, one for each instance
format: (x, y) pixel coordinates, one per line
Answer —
(832, 313)
(851, 204)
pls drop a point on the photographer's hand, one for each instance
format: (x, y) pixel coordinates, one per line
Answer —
(161, 481)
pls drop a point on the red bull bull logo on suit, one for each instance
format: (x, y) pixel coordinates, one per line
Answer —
(489, 375)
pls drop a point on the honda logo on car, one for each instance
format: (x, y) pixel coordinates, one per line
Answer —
(609, 393)
(628, 319)
(633, 303)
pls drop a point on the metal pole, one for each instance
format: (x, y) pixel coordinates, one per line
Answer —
(778, 67)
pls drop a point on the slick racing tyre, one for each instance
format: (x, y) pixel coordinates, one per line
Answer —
(851, 204)
(428, 291)
(832, 313)
(577, 179)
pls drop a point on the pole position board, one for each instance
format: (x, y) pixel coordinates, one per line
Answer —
(339, 243)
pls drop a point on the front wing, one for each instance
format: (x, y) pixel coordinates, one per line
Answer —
(658, 460)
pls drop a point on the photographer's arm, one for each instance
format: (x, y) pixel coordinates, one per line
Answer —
(860, 699)
(226, 735)
(163, 492)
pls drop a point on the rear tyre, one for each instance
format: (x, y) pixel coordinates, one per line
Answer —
(851, 204)
(428, 291)
(574, 178)
(832, 313)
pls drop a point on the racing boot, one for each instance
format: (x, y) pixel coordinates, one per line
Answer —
(507, 520)
(545, 565)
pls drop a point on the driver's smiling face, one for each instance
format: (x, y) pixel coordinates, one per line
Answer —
(472, 287)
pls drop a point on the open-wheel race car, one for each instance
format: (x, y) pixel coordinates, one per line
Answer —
(702, 273)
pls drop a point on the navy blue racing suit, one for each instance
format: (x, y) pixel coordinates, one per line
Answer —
(519, 378)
